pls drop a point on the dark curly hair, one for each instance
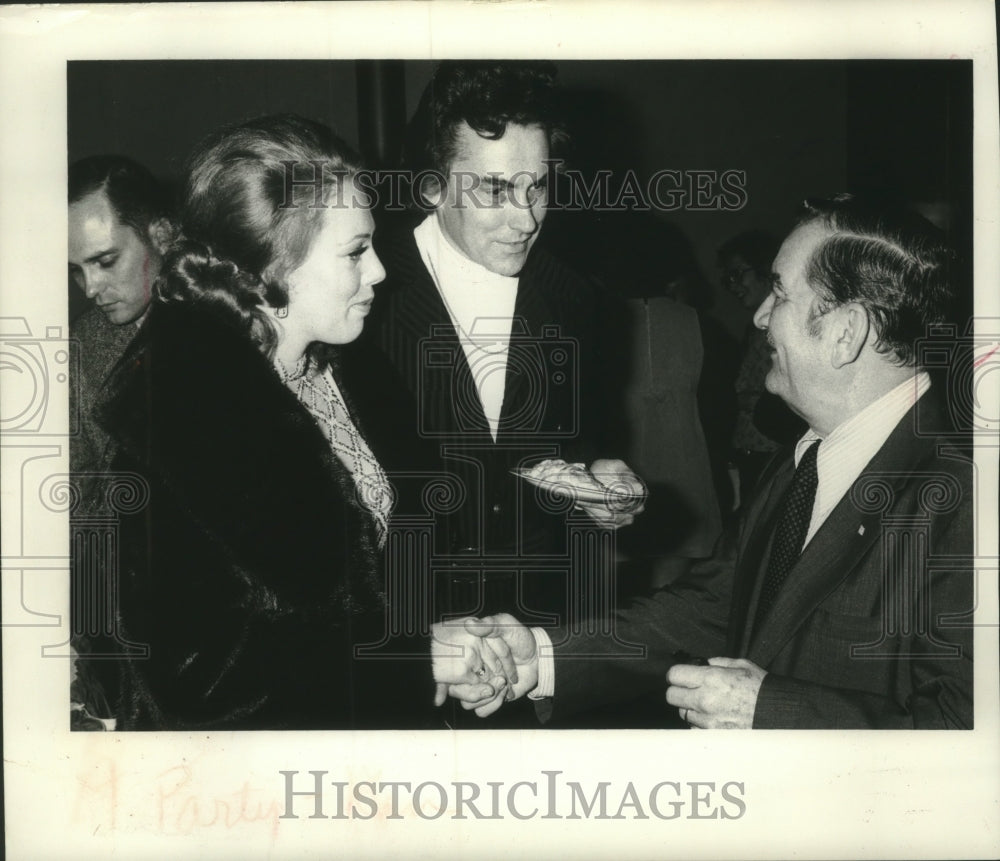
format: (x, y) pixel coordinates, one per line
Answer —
(488, 95)
(890, 260)
(245, 227)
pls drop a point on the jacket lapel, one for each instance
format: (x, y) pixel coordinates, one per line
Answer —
(758, 528)
(836, 549)
(424, 311)
(531, 311)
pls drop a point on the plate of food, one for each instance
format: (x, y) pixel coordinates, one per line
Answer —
(574, 480)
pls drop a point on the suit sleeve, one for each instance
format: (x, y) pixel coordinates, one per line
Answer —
(84, 452)
(934, 690)
(690, 615)
(88, 448)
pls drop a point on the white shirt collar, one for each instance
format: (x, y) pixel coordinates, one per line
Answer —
(481, 306)
(449, 267)
(848, 448)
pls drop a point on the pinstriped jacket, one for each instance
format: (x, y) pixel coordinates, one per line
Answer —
(426, 392)
(549, 404)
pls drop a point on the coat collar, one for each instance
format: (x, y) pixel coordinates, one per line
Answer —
(188, 368)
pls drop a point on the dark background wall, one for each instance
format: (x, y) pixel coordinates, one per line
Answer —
(798, 128)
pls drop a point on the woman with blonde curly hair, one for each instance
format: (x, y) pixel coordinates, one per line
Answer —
(255, 568)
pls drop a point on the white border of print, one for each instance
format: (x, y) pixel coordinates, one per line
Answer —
(807, 794)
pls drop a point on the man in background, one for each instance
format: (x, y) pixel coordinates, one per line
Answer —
(119, 227)
(763, 422)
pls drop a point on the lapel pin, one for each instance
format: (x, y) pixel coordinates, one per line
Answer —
(861, 529)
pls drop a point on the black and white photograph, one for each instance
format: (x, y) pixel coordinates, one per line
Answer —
(425, 443)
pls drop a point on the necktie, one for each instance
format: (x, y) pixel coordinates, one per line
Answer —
(790, 533)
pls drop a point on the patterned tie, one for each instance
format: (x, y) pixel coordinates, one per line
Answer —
(790, 534)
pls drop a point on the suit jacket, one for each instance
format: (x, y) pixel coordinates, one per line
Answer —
(862, 634)
(100, 343)
(252, 571)
(412, 375)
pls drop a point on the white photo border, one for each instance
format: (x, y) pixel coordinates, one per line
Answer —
(807, 794)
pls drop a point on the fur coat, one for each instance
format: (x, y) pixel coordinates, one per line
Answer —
(252, 571)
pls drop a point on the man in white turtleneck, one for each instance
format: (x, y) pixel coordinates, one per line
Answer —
(495, 341)
(475, 245)
(480, 303)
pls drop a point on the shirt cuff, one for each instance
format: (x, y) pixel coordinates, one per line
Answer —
(546, 686)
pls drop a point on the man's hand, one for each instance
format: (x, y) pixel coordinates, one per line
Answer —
(465, 666)
(468, 652)
(722, 695)
(616, 476)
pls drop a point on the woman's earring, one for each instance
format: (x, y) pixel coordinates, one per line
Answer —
(281, 312)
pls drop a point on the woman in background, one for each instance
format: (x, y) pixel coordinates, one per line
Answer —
(763, 421)
(254, 569)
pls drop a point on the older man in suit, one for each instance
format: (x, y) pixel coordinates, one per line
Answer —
(827, 611)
